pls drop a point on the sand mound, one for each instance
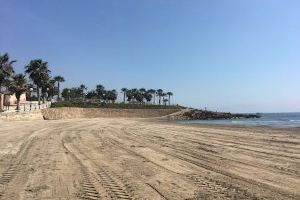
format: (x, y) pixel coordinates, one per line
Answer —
(21, 116)
(70, 113)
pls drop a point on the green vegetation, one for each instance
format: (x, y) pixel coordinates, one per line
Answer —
(130, 96)
(81, 104)
(6, 72)
(45, 87)
(18, 86)
(40, 81)
(58, 79)
(40, 75)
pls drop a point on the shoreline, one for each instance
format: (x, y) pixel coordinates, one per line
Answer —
(233, 126)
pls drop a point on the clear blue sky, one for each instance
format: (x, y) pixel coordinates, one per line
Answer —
(233, 55)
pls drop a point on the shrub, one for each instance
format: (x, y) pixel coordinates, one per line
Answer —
(109, 105)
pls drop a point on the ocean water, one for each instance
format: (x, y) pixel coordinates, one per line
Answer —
(278, 120)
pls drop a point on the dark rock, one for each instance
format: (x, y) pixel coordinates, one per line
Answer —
(195, 114)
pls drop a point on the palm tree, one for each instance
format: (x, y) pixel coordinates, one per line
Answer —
(124, 90)
(148, 97)
(163, 96)
(30, 87)
(165, 101)
(111, 96)
(139, 96)
(129, 95)
(6, 71)
(58, 79)
(91, 95)
(100, 90)
(143, 92)
(51, 88)
(37, 70)
(135, 94)
(152, 92)
(18, 87)
(45, 82)
(169, 94)
(159, 93)
(82, 88)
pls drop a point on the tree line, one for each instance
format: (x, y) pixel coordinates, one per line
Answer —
(134, 95)
(39, 80)
(143, 95)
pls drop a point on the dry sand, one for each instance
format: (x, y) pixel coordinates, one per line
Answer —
(142, 159)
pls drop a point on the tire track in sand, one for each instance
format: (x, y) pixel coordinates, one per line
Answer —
(10, 173)
(213, 187)
(116, 187)
(219, 190)
(89, 191)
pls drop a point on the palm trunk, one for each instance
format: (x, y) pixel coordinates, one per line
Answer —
(1, 102)
(52, 94)
(169, 100)
(58, 91)
(44, 97)
(38, 95)
(18, 103)
(124, 97)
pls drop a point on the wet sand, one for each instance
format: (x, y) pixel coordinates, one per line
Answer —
(146, 159)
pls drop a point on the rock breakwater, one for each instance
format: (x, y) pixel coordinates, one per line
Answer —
(195, 114)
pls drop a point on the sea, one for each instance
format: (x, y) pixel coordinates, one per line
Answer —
(277, 120)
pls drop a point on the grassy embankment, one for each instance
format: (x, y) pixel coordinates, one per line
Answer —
(109, 105)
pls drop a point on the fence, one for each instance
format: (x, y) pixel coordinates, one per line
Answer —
(30, 106)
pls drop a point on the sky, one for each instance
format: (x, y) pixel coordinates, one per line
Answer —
(233, 55)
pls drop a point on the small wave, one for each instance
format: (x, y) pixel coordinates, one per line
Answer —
(236, 122)
(294, 120)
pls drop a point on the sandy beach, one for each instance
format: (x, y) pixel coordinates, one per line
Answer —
(146, 159)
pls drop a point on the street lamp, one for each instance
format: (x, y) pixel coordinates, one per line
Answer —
(31, 90)
(69, 91)
(47, 97)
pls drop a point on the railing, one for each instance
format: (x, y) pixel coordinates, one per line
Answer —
(30, 106)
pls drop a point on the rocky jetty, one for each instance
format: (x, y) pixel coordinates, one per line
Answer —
(194, 114)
